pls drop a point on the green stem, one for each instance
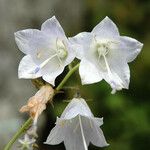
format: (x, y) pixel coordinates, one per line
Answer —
(19, 133)
(67, 77)
(29, 121)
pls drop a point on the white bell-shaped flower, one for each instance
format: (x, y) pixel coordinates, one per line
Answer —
(47, 51)
(77, 127)
(105, 55)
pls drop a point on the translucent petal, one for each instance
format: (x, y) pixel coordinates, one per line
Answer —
(27, 67)
(56, 136)
(106, 29)
(73, 137)
(78, 131)
(24, 37)
(119, 68)
(130, 48)
(77, 106)
(53, 28)
(88, 72)
(81, 43)
(49, 75)
(71, 54)
(97, 137)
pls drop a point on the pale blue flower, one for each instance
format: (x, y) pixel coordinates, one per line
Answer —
(77, 127)
(105, 55)
(47, 51)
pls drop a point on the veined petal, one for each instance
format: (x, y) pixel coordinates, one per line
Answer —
(130, 47)
(119, 78)
(56, 136)
(71, 54)
(27, 67)
(53, 28)
(24, 37)
(97, 137)
(98, 121)
(106, 29)
(119, 69)
(80, 43)
(77, 106)
(50, 78)
(88, 72)
(74, 136)
(77, 130)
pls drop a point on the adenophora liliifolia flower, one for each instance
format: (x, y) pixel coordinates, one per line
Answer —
(47, 51)
(77, 127)
(104, 55)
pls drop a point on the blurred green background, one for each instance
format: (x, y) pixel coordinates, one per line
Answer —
(126, 114)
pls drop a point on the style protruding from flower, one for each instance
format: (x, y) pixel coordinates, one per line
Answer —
(47, 51)
(77, 127)
(105, 55)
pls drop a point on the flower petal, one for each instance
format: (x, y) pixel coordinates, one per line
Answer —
(56, 136)
(27, 67)
(120, 75)
(71, 54)
(130, 48)
(50, 78)
(77, 106)
(24, 37)
(73, 136)
(88, 72)
(53, 28)
(81, 43)
(106, 29)
(97, 136)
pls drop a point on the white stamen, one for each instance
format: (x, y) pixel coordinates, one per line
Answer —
(102, 50)
(47, 60)
(91, 123)
(60, 54)
(107, 66)
(82, 133)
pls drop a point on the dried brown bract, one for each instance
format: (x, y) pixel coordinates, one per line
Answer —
(37, 103)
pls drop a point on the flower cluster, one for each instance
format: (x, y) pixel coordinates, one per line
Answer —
(104, 54)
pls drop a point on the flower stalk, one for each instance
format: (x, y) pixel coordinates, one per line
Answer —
(24, 128)
(67, 77)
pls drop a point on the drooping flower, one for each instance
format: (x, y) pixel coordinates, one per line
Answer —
(47, 51)
(77, 127)
(105, 55)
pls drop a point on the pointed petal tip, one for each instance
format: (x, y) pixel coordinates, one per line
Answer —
(17, 34)
(52, 82)
(106, 144)
(54, 17)
(141, 45)
(107, 19)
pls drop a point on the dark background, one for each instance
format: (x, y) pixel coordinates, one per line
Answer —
(126, 114)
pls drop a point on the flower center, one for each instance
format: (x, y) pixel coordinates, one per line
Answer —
(61, 54)
(61, 49)
(102, 49)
